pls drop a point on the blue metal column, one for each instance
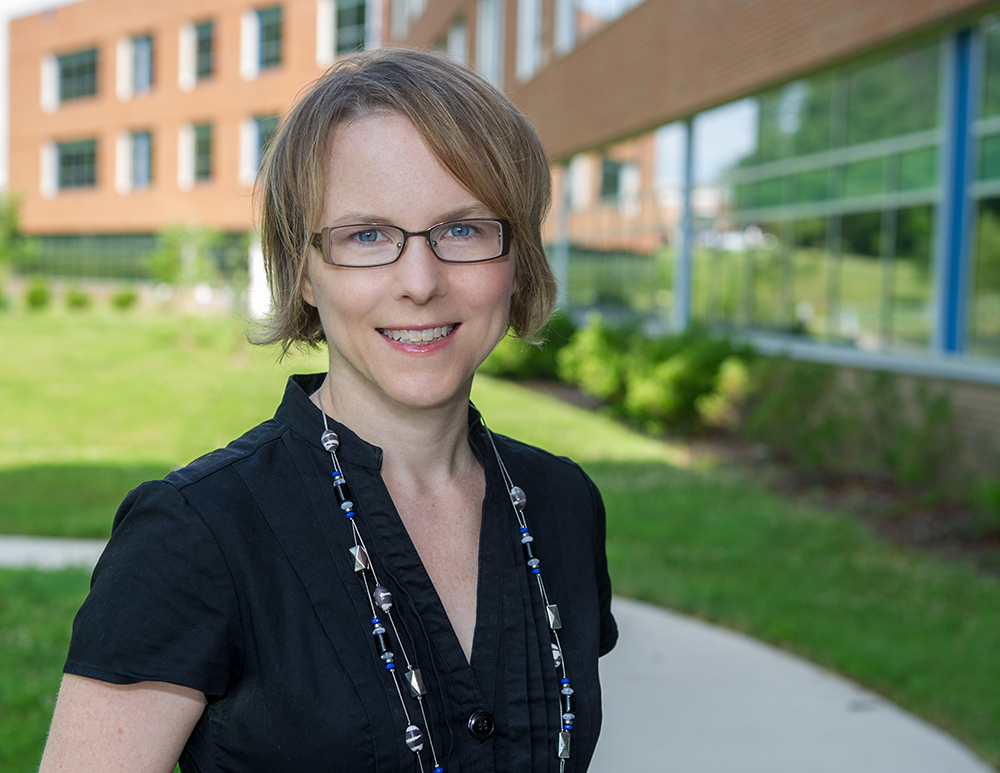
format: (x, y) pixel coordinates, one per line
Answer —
(683, 256)
(954, 223)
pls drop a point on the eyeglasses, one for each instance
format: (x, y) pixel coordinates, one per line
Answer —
(372, 244)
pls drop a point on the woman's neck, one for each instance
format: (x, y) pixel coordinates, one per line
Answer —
(419, 444)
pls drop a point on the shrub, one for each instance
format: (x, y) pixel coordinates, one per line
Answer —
(124, 299)
(77, 299)
(38, 295)
(513, 358)
(595, 359)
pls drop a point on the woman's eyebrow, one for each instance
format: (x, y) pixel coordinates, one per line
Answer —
(471, 211)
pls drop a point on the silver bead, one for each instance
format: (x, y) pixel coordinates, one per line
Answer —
(360, 558)
(564, 746)
(518, 497)
(330, 441)
(414, 738)
(555, 622)
(556, 655)
(416, 682)
(382, 598)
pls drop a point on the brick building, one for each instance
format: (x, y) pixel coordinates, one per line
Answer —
(824, 176)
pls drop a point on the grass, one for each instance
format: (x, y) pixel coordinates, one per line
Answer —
(126, 398)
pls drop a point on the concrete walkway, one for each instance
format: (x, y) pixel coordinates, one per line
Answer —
(683, 696)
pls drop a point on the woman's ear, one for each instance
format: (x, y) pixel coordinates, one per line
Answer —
(306, 289)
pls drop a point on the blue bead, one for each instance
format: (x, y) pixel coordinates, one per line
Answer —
(349, 514)
(564, 681)
(376, 621)
(567, 727)
(524, 530)
(389, 666)
(536, 570)
(438, 769)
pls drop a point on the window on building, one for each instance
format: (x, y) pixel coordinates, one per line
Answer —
(351, 20)
(202, 151)
(142, 64)
(255, 138)
(77, 74)
(204, 50)
(490, 40)
(457, 44)
(76, 164)
(823, 194)
(142, 159)
(529, 38)
(269, 37)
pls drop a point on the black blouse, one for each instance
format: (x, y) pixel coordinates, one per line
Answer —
(232, 576)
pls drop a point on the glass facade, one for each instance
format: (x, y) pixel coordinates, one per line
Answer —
(204, 50)
(269, 20)
(77, 164)
(77, 74)
(820, 207)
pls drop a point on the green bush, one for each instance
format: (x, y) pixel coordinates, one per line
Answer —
(38, 295)
(124, 299)
(595, 359)
(867, 426)
(77, 299)
(514, 359)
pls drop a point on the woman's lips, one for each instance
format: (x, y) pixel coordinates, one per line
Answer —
(424, 336)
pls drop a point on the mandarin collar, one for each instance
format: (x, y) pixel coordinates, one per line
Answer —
(298, 412)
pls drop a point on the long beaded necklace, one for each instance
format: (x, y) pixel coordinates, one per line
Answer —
(381, 602)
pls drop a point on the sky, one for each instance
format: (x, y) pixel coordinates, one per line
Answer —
(8, 9)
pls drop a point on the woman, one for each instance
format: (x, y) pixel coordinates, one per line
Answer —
(358, 584)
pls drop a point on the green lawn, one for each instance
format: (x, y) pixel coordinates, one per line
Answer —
(128, 397)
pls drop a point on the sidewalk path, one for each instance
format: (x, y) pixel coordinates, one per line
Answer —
(683, 696)
(49, 552)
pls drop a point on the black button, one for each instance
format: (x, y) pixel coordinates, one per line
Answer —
(481, 725)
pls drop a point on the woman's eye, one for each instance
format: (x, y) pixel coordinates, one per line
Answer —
(371, 235)
(459, 231)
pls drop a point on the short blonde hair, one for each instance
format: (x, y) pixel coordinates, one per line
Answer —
(473, 129)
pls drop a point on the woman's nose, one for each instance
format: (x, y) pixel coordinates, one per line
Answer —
(419, 273)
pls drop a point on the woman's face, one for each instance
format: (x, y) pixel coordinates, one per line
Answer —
(380, 171)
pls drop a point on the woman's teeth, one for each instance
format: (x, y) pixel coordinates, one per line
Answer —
(418, 336)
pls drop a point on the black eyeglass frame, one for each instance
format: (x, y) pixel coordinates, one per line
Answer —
(321, 241)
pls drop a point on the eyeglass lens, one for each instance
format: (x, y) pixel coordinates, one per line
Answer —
(461, 241)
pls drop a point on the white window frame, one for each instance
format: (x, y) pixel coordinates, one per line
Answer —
(490, 15)
(185, 157)
(529, 38)
(49, 171)
(249, 45)
(123, 69)
(458, 41)
(123, 163)
(186, 53)
(50, 84)
(565, 26)
(326, 32)
(249, 150)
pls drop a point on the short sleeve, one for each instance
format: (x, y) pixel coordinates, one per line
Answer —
(609, 628)
(162, 604)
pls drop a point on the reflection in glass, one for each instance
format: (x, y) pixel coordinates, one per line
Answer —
(812, 186)
(918, 169)
(809, 267)
(991, 75)
(864, 178)
(989, 157)
(897, 95)
(860, 280)
(795, 119)
(984, 306)
(768, 271)
(911, 277)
